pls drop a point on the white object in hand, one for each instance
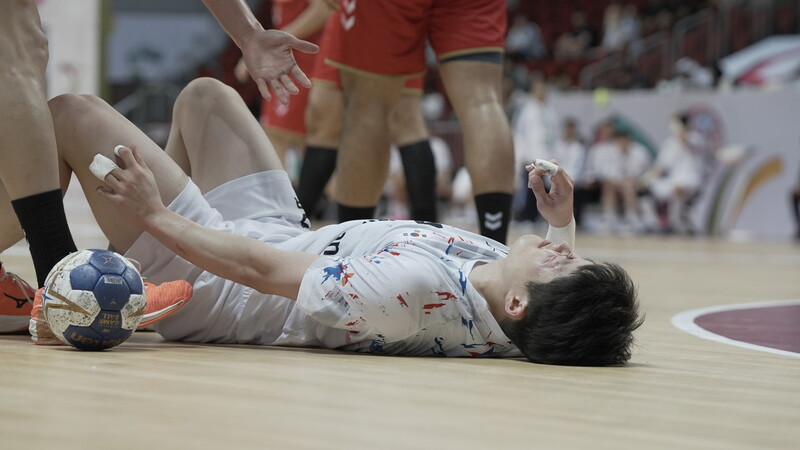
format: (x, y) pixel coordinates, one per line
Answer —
(117, 149)
(545, 165)
(101, 166)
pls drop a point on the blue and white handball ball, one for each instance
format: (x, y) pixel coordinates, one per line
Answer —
(93, 299)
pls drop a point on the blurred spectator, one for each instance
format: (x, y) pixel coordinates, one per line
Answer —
(524, 40)
(690, 74)
(621, 28)
(656, 16)
(587, 185)
(619, 168)
(675, 178)
(535, 128)
(631, 78)
(516, 83)
(575, 43)
(569, 151)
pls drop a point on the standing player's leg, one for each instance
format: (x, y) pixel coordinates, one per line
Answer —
(409, 133)
(474, 89)
(469, 38)
(363, 159)
(323, 131)
(29, 171)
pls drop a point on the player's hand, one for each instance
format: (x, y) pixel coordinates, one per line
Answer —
(132, 188)
(555, 206)
(240, 71)
(268, 57)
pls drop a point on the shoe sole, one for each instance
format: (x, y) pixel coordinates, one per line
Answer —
(157, 316)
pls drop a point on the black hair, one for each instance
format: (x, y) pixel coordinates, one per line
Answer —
(586, 318)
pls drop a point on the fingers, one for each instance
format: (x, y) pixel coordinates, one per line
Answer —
(300, 76)
(303, 46)
(289, 85)
(562, 181)
(279, 91)
(262, 87)
(536, 184)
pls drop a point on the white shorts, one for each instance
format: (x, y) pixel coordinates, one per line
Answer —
(262, 206)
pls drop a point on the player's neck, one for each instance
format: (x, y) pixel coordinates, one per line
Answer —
(485, 277)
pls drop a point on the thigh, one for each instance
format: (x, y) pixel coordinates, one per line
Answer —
(86, 126)
(215, 138)
(472, 83)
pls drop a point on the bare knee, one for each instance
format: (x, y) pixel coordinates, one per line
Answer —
(323, 117)
(74, 110)
(202, 94)
(405, 121)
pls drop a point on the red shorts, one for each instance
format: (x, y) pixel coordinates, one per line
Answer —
(387, 37)
(328, 73)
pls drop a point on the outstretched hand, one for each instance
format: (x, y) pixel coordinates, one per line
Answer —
(555, 206)
(132, 188)
(268, 57)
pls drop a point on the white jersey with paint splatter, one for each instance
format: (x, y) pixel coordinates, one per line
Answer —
(395, 287)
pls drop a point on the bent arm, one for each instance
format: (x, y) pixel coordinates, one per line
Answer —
(134, 191)
(237, 258)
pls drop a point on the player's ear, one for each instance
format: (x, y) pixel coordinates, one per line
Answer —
(515, 306)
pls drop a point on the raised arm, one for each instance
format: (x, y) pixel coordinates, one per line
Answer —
(555, 206)
(243, 260)
(267, 53)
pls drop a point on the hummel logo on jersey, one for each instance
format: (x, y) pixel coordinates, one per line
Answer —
(20, 301)
(347, 18)
(493, 221)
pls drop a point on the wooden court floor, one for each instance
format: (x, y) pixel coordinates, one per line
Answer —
(679, 391)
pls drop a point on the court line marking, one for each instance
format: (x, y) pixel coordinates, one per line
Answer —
(684, 321)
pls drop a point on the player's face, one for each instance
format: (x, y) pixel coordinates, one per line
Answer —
(532, 258)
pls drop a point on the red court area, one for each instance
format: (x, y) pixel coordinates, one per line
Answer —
(776, 327)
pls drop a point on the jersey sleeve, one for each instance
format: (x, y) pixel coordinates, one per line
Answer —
(387, 296)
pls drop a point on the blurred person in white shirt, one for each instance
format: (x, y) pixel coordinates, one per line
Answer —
(571, 154)
(619, 168)
(536, 129)
(674, 179)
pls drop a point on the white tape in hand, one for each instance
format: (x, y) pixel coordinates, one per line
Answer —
(547, 166)
(117, 149)
(101, 166)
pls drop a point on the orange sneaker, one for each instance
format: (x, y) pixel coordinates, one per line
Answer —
(164, 300)
(40, 331)
(16, 301)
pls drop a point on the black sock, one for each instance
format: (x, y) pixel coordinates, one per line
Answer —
(354, 213)
(318, 166)
(420, 169)
(45, 224)
(494, 214)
